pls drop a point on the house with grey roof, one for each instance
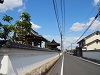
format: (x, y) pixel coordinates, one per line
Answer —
(91, 42)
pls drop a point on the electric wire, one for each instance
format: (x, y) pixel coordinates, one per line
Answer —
(86, 17)
(84, 21)
(87, 28)
(62, 26)
(57, 16)
(64, 15)
(61, 13)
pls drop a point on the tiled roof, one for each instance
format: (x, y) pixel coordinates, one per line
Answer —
(54, 43)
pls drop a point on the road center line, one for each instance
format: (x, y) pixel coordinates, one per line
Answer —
(62, 65)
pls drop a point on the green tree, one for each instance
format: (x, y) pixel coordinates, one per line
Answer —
(23, 26)
(46, 45)
(7, 28)
(26, 22)
(7, 19)
(25, 16)
(0, 30)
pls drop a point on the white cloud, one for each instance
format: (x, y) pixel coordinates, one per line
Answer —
(77, 26)
(80, 26)
(22, 8)
(96, 2)
(34, 26)
(10, 5)
(69, 40)
(95, 25)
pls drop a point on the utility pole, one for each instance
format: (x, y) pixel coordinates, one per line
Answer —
(61, 42)
(71, 46)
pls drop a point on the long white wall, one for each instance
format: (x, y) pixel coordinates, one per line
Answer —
(92, 54)
(18, 62)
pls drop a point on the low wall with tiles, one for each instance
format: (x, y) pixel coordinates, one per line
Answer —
(15, 61)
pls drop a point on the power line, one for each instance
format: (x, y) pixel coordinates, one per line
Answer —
(62, 4)
(57, 16)
(60, 27)
(88, 27)
(64, 14)
(61, 12)
(87, 15)
(91, 22)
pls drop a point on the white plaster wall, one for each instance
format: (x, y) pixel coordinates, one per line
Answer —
(92, 55)
(94, 46)
(92, 38)
(21, 61)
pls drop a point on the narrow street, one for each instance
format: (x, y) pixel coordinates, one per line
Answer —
(74, 66)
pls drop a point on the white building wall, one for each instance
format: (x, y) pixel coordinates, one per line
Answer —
(92, 38)
(92, 55)
(94, 46)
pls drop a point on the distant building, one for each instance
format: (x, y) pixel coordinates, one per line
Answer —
(91, 42)
(53, 45)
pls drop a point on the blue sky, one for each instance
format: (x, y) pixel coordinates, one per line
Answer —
(43, 18)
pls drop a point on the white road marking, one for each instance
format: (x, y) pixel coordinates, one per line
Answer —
(62, 65)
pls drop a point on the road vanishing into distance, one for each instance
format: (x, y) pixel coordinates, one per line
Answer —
(71, 65)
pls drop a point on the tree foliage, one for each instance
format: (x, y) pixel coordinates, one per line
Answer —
(21, 27)
(25, 17)
(6, 28)
(7, 19)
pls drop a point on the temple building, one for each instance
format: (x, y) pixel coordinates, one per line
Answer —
(53, 45)
(33, 38)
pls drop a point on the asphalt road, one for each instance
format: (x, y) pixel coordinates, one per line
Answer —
(74, 66)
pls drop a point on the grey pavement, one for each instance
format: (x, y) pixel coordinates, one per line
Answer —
(75, 66)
